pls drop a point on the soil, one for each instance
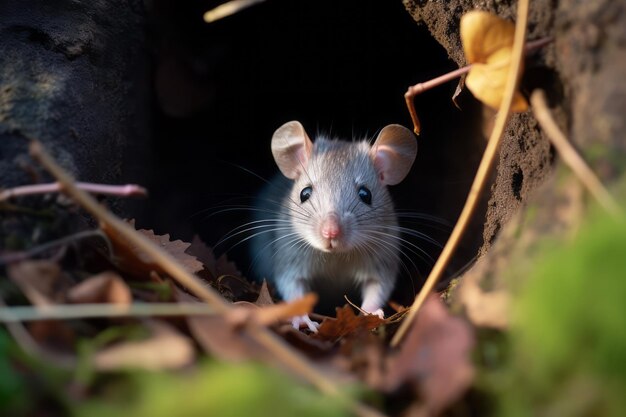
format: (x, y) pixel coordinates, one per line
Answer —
(579, 72)
(74, 75)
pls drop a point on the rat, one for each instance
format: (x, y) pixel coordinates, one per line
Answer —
(330, 217)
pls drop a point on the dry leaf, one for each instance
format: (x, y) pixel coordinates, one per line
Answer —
(435, 356)
(134, 261)
(347, 323)
(236, 288)
(487, 43)
(485, 309)
(40, 281)
(264, 299)
(303, 342)
(484, 34)
(225, 267)
(106, 287)
(52, 336)
(218, 337)
(176, 248)
(216, 268)
(204, 253)
(457, 91)
(166, 348)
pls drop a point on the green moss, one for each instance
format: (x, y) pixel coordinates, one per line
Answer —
(214, 390)
(568, 335)
(12, 389)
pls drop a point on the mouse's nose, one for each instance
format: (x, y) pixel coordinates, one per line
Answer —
(330, 227)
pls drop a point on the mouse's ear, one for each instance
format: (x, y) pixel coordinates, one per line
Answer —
(393, 153)
(292, 149)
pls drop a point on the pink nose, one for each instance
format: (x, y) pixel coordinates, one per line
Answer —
(330, 227)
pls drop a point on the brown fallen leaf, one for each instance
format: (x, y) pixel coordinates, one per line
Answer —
(166, 348)
(435, 357)
(221, 336)
(215, 267)
(106, 287)
(218, 337)
(488, 42)
(347, 323)
(221, 339)
(483, 308)
(132, 260)
(52, 335)
(42, 282)
(237, 288)
(265, 298)
(303, 342)
(225, 267)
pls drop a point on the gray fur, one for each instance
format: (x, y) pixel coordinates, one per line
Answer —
(289, 254)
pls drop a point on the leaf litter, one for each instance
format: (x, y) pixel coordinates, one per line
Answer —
(350, 346)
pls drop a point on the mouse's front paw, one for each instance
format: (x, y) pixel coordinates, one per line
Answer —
(306, 320)
(380, 313)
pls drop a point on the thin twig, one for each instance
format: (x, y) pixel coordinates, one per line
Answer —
(11, 257)
(128, 190)
(84, 311)
(293, 359)
(26, 342)
(419, 88)
(481, 175)
(570, 156)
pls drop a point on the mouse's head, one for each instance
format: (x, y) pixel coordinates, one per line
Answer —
(339, 201)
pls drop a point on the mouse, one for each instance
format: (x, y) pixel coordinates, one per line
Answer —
(328, 216)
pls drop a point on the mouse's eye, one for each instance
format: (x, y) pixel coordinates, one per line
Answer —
(305, 194)
(365, 195)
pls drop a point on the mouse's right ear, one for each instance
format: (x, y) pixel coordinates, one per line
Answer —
(292, 149)
(393, 153)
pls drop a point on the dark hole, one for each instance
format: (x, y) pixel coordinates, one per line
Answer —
(516, 183)
(339, 67)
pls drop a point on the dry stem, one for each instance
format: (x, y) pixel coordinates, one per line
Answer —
(30, 345)
(228, 9)
(127, 190)
(570, 156)
(482, 173)
(419, 88)
(80, 311)
(11, 257)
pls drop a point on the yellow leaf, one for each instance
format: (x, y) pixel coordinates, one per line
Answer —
(487, 43)
(483, 34)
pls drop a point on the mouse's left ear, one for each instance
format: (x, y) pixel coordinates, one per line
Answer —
(393, 153)
(292, 149)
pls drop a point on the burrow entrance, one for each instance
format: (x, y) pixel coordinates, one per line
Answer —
(338, 67)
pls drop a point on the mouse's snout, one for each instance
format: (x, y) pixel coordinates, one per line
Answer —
(331, 228)
(332, 233)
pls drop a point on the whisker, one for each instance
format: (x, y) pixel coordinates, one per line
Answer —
(416, 234)
(244, 229)
(403, 242)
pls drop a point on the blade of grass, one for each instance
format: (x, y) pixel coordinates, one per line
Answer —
(83, 311)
